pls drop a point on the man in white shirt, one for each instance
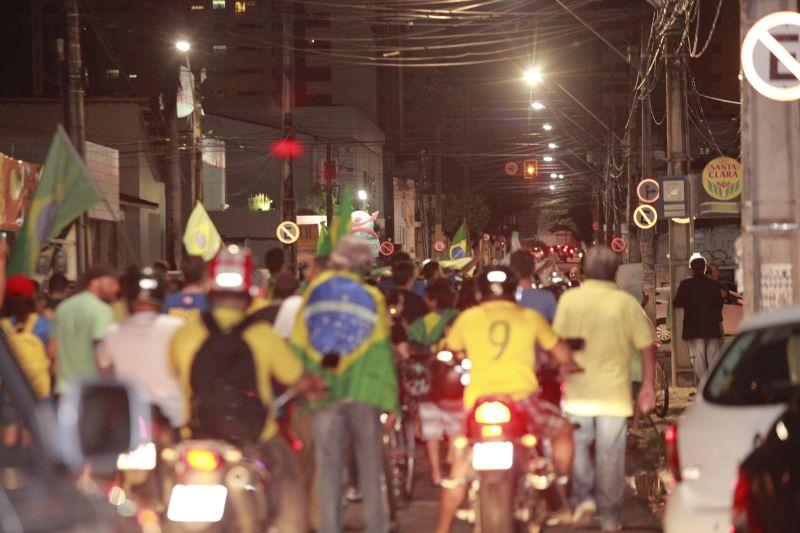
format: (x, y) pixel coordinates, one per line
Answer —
(137, 350)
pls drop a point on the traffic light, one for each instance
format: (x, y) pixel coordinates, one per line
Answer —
(531, 169)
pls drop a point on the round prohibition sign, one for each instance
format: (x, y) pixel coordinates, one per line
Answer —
(439, 246)
(387, 248)
(619, 245)
(755, 63)
(648, 191)
(288, 232)
(645, 216)
(512, 168)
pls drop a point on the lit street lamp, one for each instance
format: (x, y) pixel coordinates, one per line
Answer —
(183, 46)
(533, 76)
(552, 146)
(552, 187)
(561, 176)
(553, 175)
(548, 159)
(537, 106)
(362, 195)
(547, 126)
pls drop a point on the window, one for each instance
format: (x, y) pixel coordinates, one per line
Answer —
(241, 7)
(198, 7)
(220, 49)
(761, 367)
(218, 4)
(112, 73)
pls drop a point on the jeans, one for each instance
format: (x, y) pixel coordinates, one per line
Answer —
(704, 354)
(334, 427)
(603, 479)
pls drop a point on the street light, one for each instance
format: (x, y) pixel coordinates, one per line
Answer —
(183, 46)
(553, 175)
(538, 106)
(547, 126)
(552, 146)
(533, 76)
(548, 159)
(561, 176)
(552, 187)
(362, 195)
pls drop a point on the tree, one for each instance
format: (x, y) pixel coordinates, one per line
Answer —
(457, 207)
(559, 219)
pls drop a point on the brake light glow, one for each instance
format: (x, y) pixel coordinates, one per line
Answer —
(492, 413)
(200, 459)
(673, 460)
(745, 515)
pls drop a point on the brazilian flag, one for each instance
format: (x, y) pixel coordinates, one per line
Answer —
(65, 191)
(459, 246)
(343, 322)
(201, 236)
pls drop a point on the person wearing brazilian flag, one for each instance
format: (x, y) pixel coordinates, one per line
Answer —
(342, 336)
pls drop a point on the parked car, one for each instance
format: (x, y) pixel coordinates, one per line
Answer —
(43, 450)
(735, 407)
(767, 494)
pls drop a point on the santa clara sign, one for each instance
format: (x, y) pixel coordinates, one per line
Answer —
(722, 178)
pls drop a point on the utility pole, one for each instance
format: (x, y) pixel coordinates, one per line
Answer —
(437, 213)
(329, 175)
(422, 192)
(287, 207)
(678, 158)
(770, 211)
(647, 236)
(174, 192)
(75, 116)
(197, 137)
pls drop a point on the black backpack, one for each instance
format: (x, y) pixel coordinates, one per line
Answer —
(225, 400)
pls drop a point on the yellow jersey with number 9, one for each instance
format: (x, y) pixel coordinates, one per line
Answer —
(499, 338)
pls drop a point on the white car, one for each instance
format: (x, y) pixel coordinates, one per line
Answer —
(737, 404)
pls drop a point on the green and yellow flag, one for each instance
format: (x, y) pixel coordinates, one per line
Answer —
(340, 225)
(342, 335)
(459, 246)
(201, 236)
(65, 191)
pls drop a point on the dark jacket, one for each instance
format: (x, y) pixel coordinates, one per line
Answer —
(701, 300)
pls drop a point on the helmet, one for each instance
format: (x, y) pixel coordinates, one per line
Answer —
(145, 286)
(497, 282)
(231, 270)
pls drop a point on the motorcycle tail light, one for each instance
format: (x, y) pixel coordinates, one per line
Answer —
(201, 459)
(529, 441)
(492, 413)
(492, 430)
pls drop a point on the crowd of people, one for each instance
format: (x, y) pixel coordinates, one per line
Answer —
(335, 334)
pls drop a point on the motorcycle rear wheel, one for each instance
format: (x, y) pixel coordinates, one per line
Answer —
(495, 502)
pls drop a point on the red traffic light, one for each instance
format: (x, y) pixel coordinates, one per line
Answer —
(531, 169)
(287, 148)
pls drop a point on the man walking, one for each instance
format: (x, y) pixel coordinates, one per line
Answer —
(598, 400)
(80, 323)
(700, 297)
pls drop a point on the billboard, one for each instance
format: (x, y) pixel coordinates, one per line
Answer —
(18, 181)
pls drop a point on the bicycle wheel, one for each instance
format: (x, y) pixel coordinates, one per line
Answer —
(662, 391)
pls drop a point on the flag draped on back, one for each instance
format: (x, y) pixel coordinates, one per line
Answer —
(459, 246)
(65, 191)
(201, 236)
(340, 225)
(344, 320)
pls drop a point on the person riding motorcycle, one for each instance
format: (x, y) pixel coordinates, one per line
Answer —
(230, 275)
(499, 337)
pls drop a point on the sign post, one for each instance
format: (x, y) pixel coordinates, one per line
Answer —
(770, 136)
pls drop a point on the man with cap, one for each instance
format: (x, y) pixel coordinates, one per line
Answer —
(136, 351)
(230, 276)
(80, 323)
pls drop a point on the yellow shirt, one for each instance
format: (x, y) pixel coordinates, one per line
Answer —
(271, 355)
(614, 325)
(499, 338)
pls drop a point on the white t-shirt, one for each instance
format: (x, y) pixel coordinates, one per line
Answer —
(138, 350)
(287, 315)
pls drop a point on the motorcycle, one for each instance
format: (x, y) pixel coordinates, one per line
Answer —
(217, 486)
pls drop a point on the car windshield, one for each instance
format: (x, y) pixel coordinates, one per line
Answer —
(760, 367)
